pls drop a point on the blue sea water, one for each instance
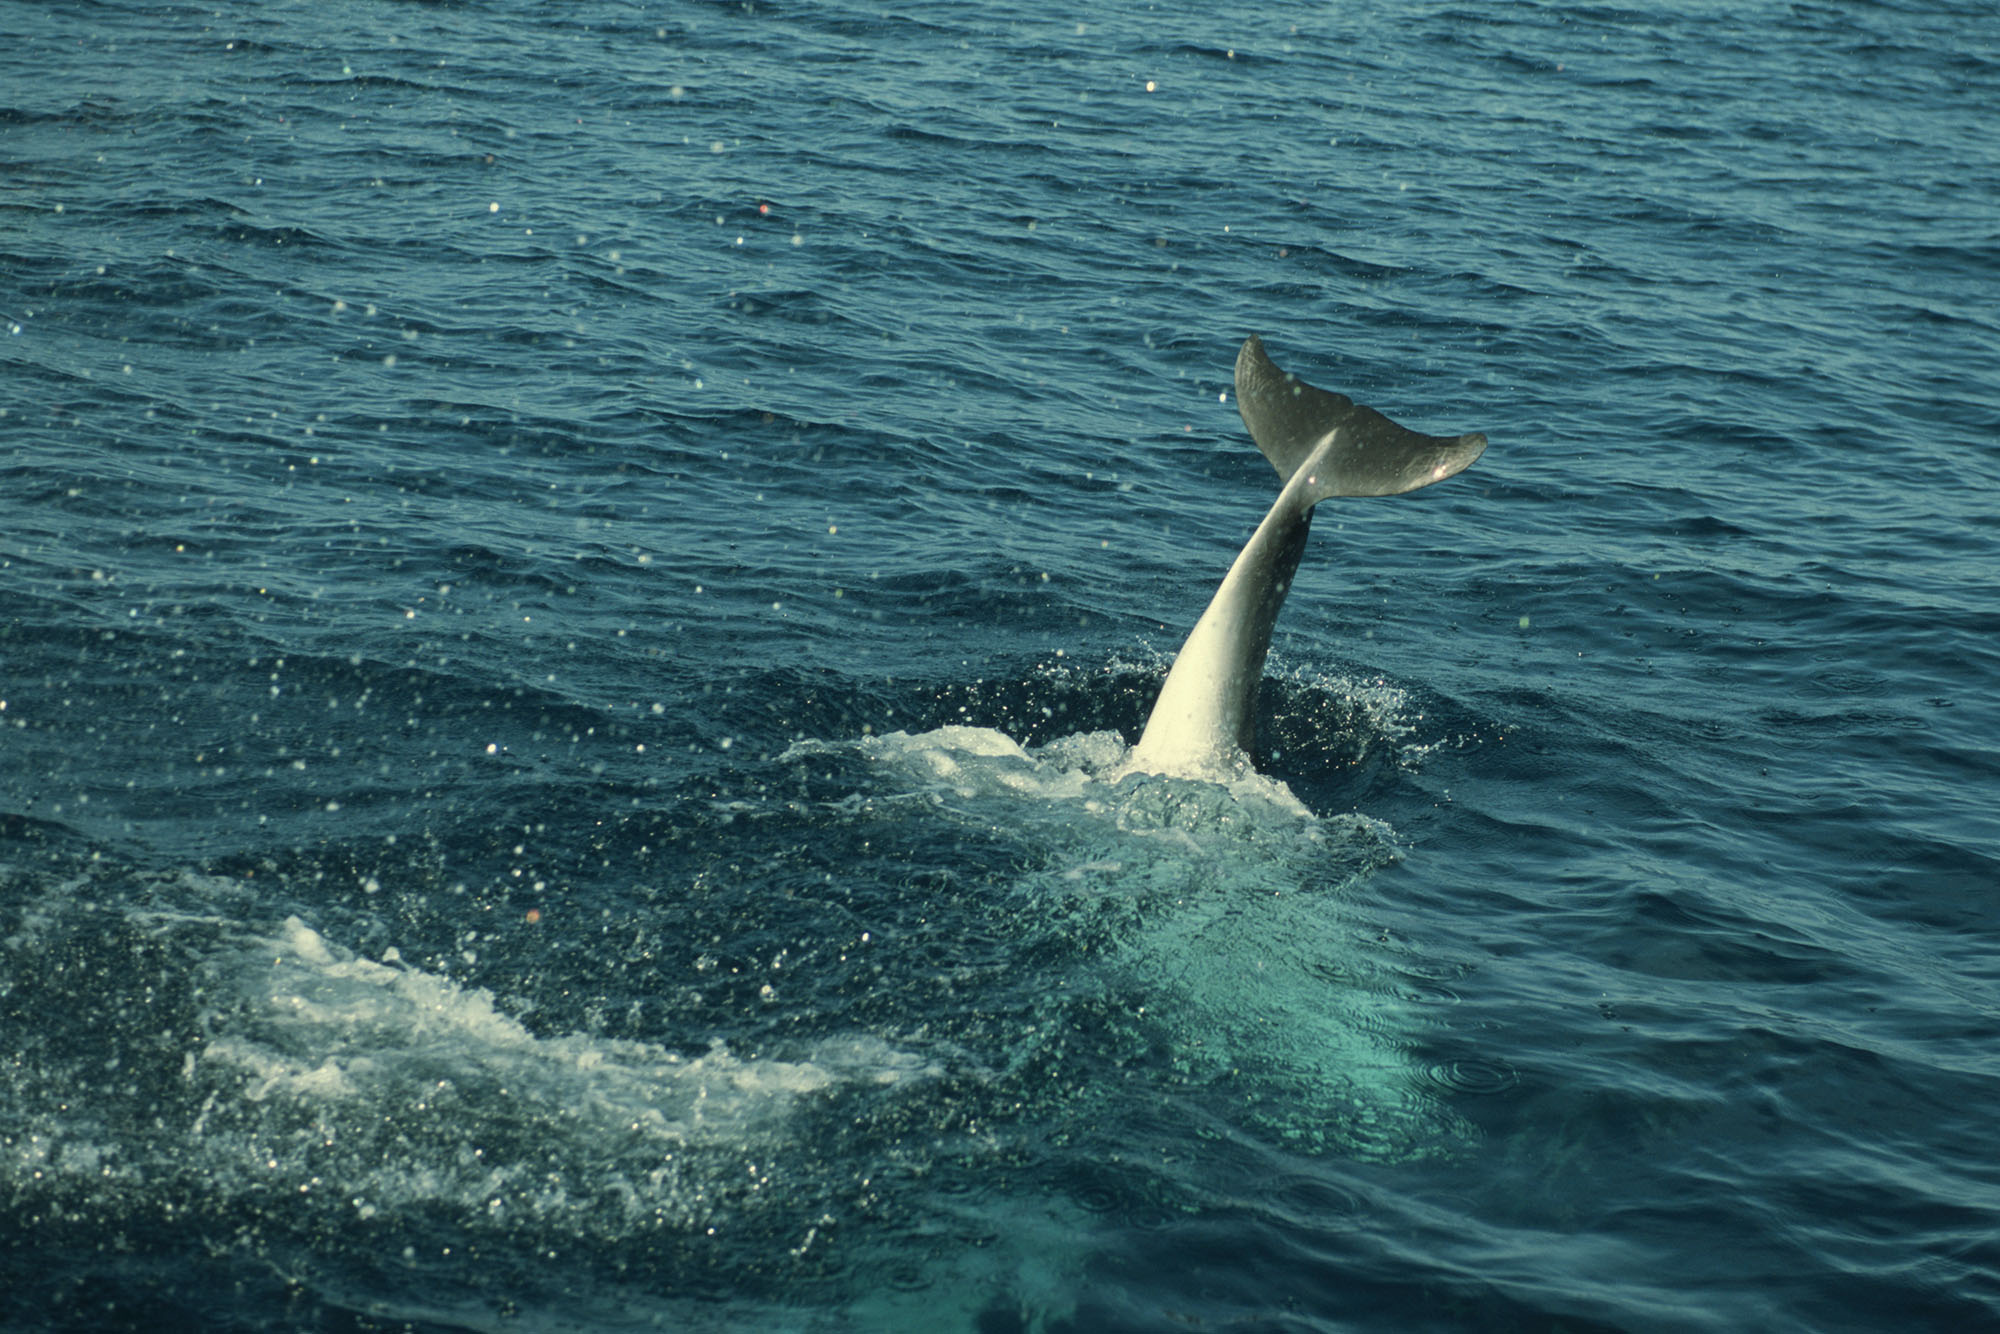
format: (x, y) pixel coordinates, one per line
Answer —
(574, 581)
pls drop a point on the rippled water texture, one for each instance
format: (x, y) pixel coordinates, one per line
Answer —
(575, 584)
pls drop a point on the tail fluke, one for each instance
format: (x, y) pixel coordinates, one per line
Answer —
(1354, 450)
(1322, 445)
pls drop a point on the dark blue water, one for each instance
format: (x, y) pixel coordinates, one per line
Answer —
(574, 581)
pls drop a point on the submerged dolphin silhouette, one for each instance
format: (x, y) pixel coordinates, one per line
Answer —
(1322, 445)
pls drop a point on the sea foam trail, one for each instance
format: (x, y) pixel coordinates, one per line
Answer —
(1211, 911)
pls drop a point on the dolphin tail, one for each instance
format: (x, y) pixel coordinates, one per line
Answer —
(1355, 450)
(1323, 445)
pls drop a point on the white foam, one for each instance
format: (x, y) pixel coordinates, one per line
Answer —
(1088, 767)
(1215, 897)
(326, 1025)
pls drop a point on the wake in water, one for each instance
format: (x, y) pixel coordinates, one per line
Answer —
(1020, 964)
(1212, 910)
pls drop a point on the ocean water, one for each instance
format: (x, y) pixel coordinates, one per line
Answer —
(575, 580)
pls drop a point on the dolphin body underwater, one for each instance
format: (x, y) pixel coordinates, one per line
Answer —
(1322, 444)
